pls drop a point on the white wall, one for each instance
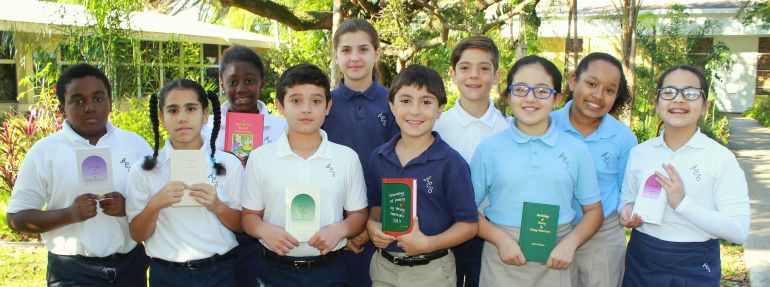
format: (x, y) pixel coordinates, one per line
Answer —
(735, 94)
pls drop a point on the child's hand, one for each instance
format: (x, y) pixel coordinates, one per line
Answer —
(280, 241)
(206, 195)
(83, 207)
(414, 242)
(627, 219)
(170, 194)
(113, 204)
(327, 238)
(672, 184)
(561, 256)
(379, 239)
(510, 252)
(356, 243)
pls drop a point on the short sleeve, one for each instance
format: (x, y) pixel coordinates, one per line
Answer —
(251, 196)
(356, 191)
(30, 190)
(586, 187)
(478, 175)
(373, 181)
(460, 193)
(138, 191)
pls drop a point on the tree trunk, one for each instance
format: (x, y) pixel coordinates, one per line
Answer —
(336, 21)
(575, 41)
(567, 39)
(630, 11)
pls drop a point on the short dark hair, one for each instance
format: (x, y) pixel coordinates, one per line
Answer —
(476, 42)
(302, 74)
(624, 97)
(238, 53)
(422, 77)
(78, 71)
(698, 73)
(549, 67)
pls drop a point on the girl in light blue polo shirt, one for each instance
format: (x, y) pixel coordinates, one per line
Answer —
(533, 161)
(598, 89)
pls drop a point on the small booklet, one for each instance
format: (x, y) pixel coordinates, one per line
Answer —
(539, 224)
(303, 211)
(95, 170)
(188, 166)
(399, 205)
(651, 201)
(243, 132)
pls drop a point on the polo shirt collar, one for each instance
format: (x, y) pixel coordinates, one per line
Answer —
(437, 150)
(370, 93)
(164, 154)
(549, 137)
(74, 137)
(489, 118)
(283, 149)
(602, 132)
(698, 140)
(263, 110)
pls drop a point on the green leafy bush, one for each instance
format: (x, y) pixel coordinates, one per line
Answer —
(760, 111)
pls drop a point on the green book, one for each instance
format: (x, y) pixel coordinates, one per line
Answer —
(539, 224)
(399, 205)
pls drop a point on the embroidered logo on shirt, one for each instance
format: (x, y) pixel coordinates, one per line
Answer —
(214, 180)
(383, 120)
(706, 265)
(428, 184)
(125, 163)
(564, 159)
(267, 140)
(606, 159)
(696, 172)
(331, 169)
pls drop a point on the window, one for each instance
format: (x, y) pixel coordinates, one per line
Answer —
(8, 81)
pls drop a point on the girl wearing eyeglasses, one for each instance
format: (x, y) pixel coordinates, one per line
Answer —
(533, 161)
(707, 196)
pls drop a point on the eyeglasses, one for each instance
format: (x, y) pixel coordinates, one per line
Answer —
(521, 90)
(690, 94)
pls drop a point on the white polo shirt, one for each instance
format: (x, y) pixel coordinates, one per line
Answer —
(464, 132)
(716, 201)
(274, 126)
(49, 178)
(186, 233)
(334, 168)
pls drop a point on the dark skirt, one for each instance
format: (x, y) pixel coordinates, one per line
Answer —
(654, 262)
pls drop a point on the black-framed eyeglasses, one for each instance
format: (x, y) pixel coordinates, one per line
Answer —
(690, 94)
(521, 90)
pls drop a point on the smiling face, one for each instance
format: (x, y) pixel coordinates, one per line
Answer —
(356, 56)
(679, 113)
(305, 108)
(531, 113)
(87, 107)
(183, 116)
(415, 110)
(595, 91)
(474, 74)
(241, 82)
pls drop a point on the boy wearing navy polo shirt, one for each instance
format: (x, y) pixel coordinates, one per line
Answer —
(445, 207)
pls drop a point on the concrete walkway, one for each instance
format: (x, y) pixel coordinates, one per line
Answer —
(751, 143)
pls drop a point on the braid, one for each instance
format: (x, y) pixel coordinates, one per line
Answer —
(149, 162)
(220, 169)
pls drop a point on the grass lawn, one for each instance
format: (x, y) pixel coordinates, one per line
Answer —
(25, 266)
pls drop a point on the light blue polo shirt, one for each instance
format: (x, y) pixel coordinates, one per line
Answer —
(512, 167)
(609, 145)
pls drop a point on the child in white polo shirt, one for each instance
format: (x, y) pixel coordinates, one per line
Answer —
(190, 245)
(706, 191)
(303, 157)
(86, 234)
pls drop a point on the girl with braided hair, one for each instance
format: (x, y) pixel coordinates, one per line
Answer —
(187, 245)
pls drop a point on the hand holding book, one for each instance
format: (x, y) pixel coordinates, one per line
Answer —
(672, 185)
(415, 242)
(206, 195)
(113, 204)
(327, 238)
(279, 241)
(169, 194)
(510, 252)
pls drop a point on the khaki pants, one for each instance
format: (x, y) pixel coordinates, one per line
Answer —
(496, 273)
(439, 272)
(600, 261)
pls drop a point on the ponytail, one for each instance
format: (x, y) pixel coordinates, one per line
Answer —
(150, 161)
(220, 169)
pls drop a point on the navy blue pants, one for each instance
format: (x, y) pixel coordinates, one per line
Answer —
(129, 269)
(468, 262)
(216, 275)
(654, 262)
(357, 266)
(247, 261)
(333, 274)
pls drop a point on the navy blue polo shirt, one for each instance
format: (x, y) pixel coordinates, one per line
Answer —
(444, 189)
(360, 120)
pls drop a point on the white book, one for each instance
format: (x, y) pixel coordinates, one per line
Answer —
(95, 170)
(303, 211)
(651, 201)
(188, 166)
